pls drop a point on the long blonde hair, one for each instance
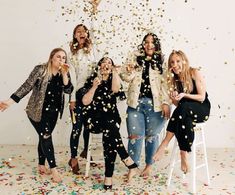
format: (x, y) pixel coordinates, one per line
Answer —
(48, 70)
(184, 79)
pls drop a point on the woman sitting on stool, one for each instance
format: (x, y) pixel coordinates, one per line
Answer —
(192, 105)
(102, 116)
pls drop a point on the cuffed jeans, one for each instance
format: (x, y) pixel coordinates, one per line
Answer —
(144, 123)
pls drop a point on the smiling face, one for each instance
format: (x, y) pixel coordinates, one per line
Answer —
(58, 59)
(81, 34)
(106, 66)
(176, 63)
(149, 46)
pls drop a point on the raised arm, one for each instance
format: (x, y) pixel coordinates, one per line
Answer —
(128, 69)
(116, 83)
(88, 97)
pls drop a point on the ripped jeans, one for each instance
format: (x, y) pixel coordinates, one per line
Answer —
(143, 124)
(44, 129)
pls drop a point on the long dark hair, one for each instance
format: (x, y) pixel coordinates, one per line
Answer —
(74, 45)
(157, 58)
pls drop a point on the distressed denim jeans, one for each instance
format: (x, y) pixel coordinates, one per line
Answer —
(144, 124)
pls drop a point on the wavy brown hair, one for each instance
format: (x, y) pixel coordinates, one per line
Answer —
(182, 82)
(74, 44)
(157, 58)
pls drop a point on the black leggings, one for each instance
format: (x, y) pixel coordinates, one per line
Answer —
(112, 141)
(44, 129)
(184, 119)
(76, 131)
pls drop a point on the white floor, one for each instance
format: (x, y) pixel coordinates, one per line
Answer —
(18, 175)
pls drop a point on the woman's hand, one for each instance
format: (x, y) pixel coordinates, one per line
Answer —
(96, 82)
(6, 104)
(130, 68)
(116, 69)
(179, 96)
(72, 105)
(64, 69)
(88, 97)
(173, 96)
(166, 111)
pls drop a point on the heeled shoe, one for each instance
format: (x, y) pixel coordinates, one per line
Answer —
(108, 187)
(75, 169)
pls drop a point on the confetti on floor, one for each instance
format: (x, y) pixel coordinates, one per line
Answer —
(18, 175)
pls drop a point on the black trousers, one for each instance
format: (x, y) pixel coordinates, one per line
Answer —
(44, 129)
(76, 130)
(184, 119)
(112, 142)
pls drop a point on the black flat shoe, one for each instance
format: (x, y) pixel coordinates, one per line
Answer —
(108, 187)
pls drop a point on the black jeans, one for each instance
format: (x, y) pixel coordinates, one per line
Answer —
(44, 129)
(112, 142)
(184, 119)
(76, 131)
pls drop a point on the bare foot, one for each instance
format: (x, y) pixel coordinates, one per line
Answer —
(131, 173)
(147, 170)
(55, 176)
(108, 181)
(159, 153)
(184, 162)
(132, 166)
(43, 170)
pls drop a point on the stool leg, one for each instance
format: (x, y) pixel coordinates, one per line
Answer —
(193, 169)
(172, 163)
(88, 158)
(205, 158)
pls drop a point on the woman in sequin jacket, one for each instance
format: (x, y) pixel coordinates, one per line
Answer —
(48, 82)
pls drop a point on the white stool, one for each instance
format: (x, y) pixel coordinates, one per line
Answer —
(199, 132)
(95, 141)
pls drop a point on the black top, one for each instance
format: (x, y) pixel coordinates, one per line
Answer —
(145, 89)
(104, 100)
(53, 97)
(194, 91)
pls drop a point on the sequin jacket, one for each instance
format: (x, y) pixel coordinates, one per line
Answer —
(158, 84)
(37, 82)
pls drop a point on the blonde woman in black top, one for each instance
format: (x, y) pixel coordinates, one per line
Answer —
(48, 83)
(188, 93)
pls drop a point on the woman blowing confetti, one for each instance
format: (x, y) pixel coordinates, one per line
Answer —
(48, 83)
(102, 116)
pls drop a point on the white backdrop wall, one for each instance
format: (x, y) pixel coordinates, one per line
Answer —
(205, 30)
